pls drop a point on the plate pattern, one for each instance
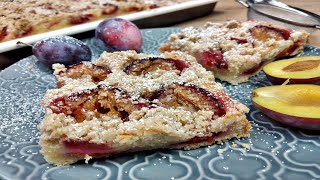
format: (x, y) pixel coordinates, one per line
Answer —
(276, 151)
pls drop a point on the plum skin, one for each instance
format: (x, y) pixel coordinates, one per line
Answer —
(295, 121)
(117, 34)
(279, 81)
(61, 49)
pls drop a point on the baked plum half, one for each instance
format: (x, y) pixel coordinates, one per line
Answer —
(101, 100)
(77, 71)
(144, 66)
(192, 98)
(211, 59)
(266, 32)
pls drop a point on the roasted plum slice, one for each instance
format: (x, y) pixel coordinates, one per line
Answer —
(211, 59)
(266, 32)
(239, 40)
(192, 98)
(144, 66)
(290, 51)
(77, 71)
(3, 33)
(109, 8)
(296, 105)
(253, 69)
(80, 19)
(101, 100)
(300, 70)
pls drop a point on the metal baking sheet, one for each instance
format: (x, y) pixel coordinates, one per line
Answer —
(152, 18)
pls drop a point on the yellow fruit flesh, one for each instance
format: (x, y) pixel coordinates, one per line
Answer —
(294, 100)
(306, 67)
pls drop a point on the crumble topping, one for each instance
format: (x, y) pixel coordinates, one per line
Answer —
(234, 50)
(245, 146)
(221, 151)
(178, 108)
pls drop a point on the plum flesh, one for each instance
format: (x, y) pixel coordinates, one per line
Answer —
(295, 105)
(301, 70)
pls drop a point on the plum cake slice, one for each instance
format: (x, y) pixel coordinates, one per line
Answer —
(236, 51)
(130, 102)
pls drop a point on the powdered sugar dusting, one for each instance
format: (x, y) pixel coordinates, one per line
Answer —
(62, 39)
(22, 89)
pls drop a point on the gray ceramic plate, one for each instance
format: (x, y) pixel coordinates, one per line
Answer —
(276, 151)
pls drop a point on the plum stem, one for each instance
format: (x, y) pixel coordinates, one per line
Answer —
(286, 82)
(22, 43)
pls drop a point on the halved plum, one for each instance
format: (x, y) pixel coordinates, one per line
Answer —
(301, 70)
(296, 105)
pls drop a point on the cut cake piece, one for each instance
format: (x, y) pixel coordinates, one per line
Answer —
(137, 103)
(235, 51)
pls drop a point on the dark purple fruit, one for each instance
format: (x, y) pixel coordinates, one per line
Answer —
(117, 34)
(61, 49)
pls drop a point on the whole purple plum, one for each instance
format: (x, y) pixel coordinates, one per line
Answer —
(61, 49)
(117, 34)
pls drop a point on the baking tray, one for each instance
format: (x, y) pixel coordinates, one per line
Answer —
(158, 17)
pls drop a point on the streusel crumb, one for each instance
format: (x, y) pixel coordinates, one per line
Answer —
(235, 51)
(129, 102)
